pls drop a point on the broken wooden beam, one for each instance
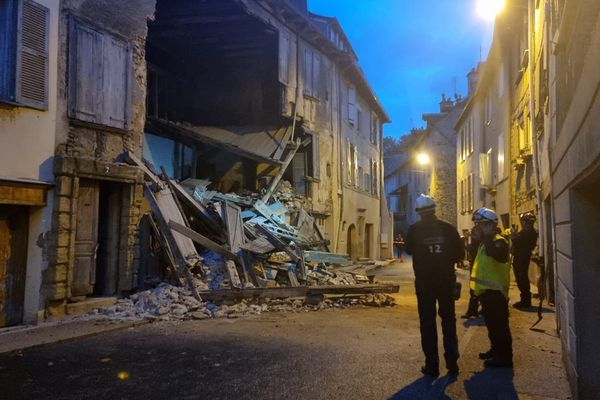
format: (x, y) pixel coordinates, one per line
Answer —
(202, 240)
(301, 291)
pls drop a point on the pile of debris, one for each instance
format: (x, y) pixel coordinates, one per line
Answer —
(172, 303)
(237, 248)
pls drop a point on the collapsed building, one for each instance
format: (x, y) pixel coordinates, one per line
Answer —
(238, 96)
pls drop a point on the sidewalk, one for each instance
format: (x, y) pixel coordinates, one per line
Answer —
(15, 339)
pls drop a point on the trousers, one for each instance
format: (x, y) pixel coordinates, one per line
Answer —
(521, 268)
(495, 314)
(437, 297)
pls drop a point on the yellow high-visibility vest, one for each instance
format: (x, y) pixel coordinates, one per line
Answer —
(488, 273)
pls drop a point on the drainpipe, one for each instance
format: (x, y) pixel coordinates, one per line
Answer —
(532, 117)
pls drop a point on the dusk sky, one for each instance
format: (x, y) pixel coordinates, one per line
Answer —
(412, 51)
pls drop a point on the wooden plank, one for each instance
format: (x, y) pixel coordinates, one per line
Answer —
(234, 278)
(180, 261)
(321, 236)
(202, 240)
(282, 169)
(301, 291)
(235, 226)
(293, 279)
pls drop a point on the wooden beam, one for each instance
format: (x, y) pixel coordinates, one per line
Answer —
(277, 178)
(172, 245)
(202, 240)
(301, 291)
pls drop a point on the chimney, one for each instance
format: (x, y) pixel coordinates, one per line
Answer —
(301, 5)
(473, 78)
(446, 105)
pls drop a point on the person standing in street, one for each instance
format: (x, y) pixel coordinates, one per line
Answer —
(435, 246)
(523, 243)
(490, 278)
(399, 246)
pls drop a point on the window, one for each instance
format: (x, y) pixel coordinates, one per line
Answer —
(314, 158)
(99, 77)
(24, 29)
(501, 157)
(470, 192)
(489, 104)
(312, 73)
(374, 136)
(352, 163)
(359, 117)
(524, 136)
(352, 110)
(284, 56)
(176, 158)
(374, 178)
(485, 168)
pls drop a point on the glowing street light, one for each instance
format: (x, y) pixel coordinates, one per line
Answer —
(488, 9)
(423, 158)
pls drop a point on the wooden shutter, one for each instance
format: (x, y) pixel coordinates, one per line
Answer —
(356, 182)
(116, 67)
(308, 72)
(316, 157)
(8, 40)
(352, 112)
(32, 56)
(284, 56)
(348, 161)
(85, 73)
(316, 74)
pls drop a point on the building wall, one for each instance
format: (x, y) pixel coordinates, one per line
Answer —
(27, 138)
(575, 111)
(88, 151)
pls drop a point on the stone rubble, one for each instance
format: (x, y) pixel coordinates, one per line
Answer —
(172, 303)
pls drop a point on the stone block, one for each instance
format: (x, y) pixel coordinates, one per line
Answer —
(56, 291)
(62, 204)
(58, 255)
(56, 273)
(64, 186)
(63, 221)
(63, 238)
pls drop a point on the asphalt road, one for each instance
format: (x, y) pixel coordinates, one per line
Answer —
(356, 353)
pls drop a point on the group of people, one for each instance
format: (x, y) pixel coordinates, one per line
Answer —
(436, 247)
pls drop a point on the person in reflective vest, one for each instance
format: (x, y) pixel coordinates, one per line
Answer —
(435, 246)
(490, 278)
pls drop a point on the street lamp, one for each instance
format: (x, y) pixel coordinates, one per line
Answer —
(488, 9)
(423, 158)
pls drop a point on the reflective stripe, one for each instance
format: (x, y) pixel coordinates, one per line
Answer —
(490, 284)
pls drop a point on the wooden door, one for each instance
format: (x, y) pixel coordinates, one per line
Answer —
(86, 240)
(14, 223)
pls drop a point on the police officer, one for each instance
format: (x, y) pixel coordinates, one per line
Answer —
(523, 243)
(490, 278)
(435, 246)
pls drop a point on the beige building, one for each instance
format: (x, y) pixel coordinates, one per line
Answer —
(176, 83)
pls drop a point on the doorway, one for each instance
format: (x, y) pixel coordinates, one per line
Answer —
(351, 242)
(14, 227)
(368, 241)
(97, 239)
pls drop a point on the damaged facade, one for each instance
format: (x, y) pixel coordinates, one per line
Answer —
(225, 91)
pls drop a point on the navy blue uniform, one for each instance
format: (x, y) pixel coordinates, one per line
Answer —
(435, 246)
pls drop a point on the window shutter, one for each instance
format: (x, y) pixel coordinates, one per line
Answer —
(32, 56)
(352, 112)
(348, 161)
(116, 69)
(85, 74)
(8, 40)
(316, 168)
(356, 183)
(284, 56)
(308, 72)
(316, 81)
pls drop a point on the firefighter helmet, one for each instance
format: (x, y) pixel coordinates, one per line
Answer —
(485, 215)
(424, 203)
(527, 217)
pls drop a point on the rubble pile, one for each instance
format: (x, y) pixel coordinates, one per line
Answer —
(168, 303)
(256, 251)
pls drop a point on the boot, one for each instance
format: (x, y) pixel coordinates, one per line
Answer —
(522, 304)
(497, 363)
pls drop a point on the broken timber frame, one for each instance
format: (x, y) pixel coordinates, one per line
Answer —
(301, 291)
(277, 178)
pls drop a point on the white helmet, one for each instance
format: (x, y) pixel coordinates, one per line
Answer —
(424, 203)
(485, 214)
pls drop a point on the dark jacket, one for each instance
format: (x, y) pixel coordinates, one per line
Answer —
(523, 244)
(435, 246)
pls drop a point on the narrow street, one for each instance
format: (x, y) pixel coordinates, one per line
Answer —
(356, 353)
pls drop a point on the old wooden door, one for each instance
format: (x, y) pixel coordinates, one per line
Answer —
(13, 263)
(86, 240)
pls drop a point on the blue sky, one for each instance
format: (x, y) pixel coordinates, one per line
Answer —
(412, 51)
